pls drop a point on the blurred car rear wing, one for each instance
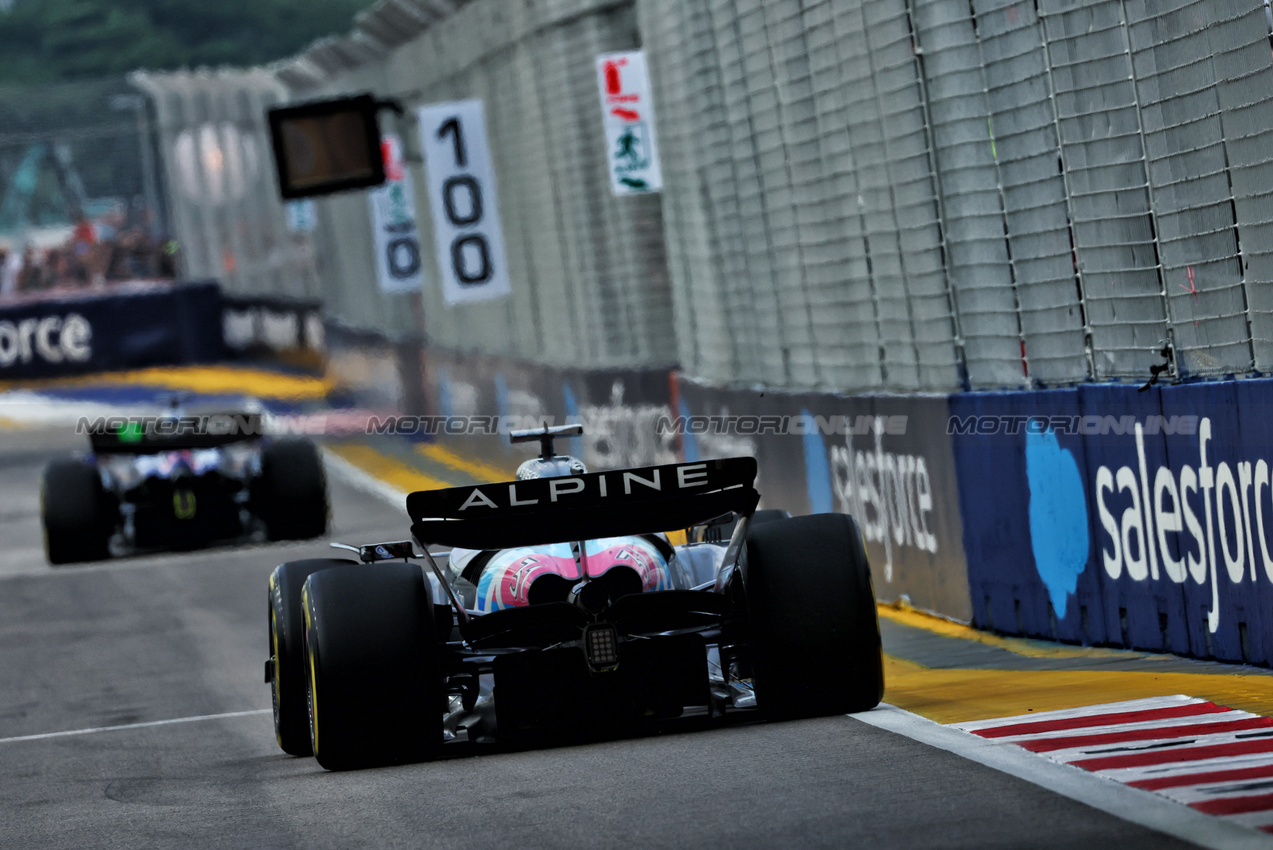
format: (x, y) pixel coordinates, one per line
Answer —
(583, 507)
(153, 434)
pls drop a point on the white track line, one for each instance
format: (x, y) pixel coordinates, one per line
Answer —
(364, 481)
(1130, 804)
(145, 725)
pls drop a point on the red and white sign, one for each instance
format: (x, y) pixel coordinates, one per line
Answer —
(628, 115)
(398, 263)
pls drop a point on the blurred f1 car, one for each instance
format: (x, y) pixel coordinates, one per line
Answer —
(178, 481)
(560, 608)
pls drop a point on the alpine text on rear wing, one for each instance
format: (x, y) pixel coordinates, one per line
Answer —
(581, 507)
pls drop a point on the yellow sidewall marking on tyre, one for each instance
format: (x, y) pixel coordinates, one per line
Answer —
(313, 675)
(278, 693)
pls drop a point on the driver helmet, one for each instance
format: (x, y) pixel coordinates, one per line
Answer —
(553, 467)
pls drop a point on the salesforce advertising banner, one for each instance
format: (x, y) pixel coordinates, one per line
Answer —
(886, 460)
(1106, 515)
(122, 329)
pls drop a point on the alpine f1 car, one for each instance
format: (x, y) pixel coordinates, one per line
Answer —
(561, 607)
(179, 482)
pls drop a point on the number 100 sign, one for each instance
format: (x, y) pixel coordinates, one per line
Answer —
(462, 196)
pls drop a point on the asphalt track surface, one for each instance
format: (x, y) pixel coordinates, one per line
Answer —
(171, 637)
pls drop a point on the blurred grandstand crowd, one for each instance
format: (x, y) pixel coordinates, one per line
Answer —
(98, 252)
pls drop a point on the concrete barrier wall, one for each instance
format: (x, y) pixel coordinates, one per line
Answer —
(884, 459)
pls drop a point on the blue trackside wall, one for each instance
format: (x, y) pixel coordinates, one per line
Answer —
(1103, 514)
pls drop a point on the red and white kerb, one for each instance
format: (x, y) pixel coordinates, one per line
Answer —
(1215, 759)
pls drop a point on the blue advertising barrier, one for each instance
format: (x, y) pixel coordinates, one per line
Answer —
(885, 460)
(1106, 515)
(118, 329)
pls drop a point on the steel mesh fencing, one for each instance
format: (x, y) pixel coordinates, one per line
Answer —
(977, 261)
(1062, 174)
(1244, 82)
(860, 195)
(704, 247)
(589, 281)
(1189, 59)
(1031, 182)
(222, 196)
(928, 324)
(1102, 147)
(805, 239)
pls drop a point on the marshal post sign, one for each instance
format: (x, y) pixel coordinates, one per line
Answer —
(628, 116)
(398, 263)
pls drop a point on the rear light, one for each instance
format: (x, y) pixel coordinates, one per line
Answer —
(601, 647)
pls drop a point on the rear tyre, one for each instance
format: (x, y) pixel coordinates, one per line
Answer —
(765, 515)
(723, 532)
(75, 513)
(287, 651)
(813, 632)
(375, 675)
(291, 493)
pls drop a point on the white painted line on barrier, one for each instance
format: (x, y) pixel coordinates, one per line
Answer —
(364, 481)
(1130, 804)
(145, 725)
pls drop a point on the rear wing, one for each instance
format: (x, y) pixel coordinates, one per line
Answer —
(153, 434)
(583, 507)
